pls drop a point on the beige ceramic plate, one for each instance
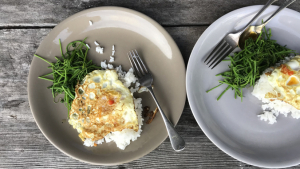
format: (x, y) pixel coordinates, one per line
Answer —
(127, 30)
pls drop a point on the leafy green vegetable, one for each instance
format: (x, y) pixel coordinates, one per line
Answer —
(69, 69)
(247, 65)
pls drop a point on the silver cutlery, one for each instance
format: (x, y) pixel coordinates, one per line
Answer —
(230, 41)
(254, 31)
(146, 80)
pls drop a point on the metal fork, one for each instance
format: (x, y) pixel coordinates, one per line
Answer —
(230, 41)
(146, 79)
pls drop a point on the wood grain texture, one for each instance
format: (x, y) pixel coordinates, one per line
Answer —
(22, 145)
(41, 13)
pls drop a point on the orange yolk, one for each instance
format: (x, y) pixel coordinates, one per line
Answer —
(293, 81)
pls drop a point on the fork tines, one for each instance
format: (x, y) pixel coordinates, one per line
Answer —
(222, 50)
(137, 63)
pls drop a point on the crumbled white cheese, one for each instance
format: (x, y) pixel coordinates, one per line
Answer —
(88, 46)
(91, 23)
(99, 49)
(96, 43)
(112, 59)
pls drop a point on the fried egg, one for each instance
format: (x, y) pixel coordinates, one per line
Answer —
(285, 81)
(102, 105)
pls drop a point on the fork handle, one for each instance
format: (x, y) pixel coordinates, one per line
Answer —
(283, 6)
(177, 141)
(270, 2)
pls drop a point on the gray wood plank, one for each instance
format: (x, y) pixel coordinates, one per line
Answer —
(41, 13)
(22, 145)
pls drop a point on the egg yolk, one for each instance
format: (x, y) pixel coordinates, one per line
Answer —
(293, 81)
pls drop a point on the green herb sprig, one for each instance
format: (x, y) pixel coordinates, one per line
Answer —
(247, 65)
(68, 70)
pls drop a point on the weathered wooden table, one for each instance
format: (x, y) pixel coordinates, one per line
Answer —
(24, 24)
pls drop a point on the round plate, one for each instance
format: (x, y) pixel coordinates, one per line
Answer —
(230, 124)
(127, 30)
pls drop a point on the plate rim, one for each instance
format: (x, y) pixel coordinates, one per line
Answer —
(151, 21)
(192, 103)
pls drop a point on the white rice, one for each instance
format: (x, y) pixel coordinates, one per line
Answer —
(96, 43)
(135, 88)
(129, 78)
(110, 66)
(112, 59)
(99, 49)
(143, 89)
(103, 64)
(271, 109)
(88, 142)
(113, 50)
(124, 137)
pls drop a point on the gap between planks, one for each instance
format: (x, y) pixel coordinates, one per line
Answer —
(52, 26)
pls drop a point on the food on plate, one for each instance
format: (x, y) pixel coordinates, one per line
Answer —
(146, 111)
(99, 49)
(112, 59)
(100, 103)
(143, 89)
(96, 43)
(70, 68)
(124, 137)
(247, 65)
(103, 105)
(151, 115)
(113, 50)
(279, 90)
